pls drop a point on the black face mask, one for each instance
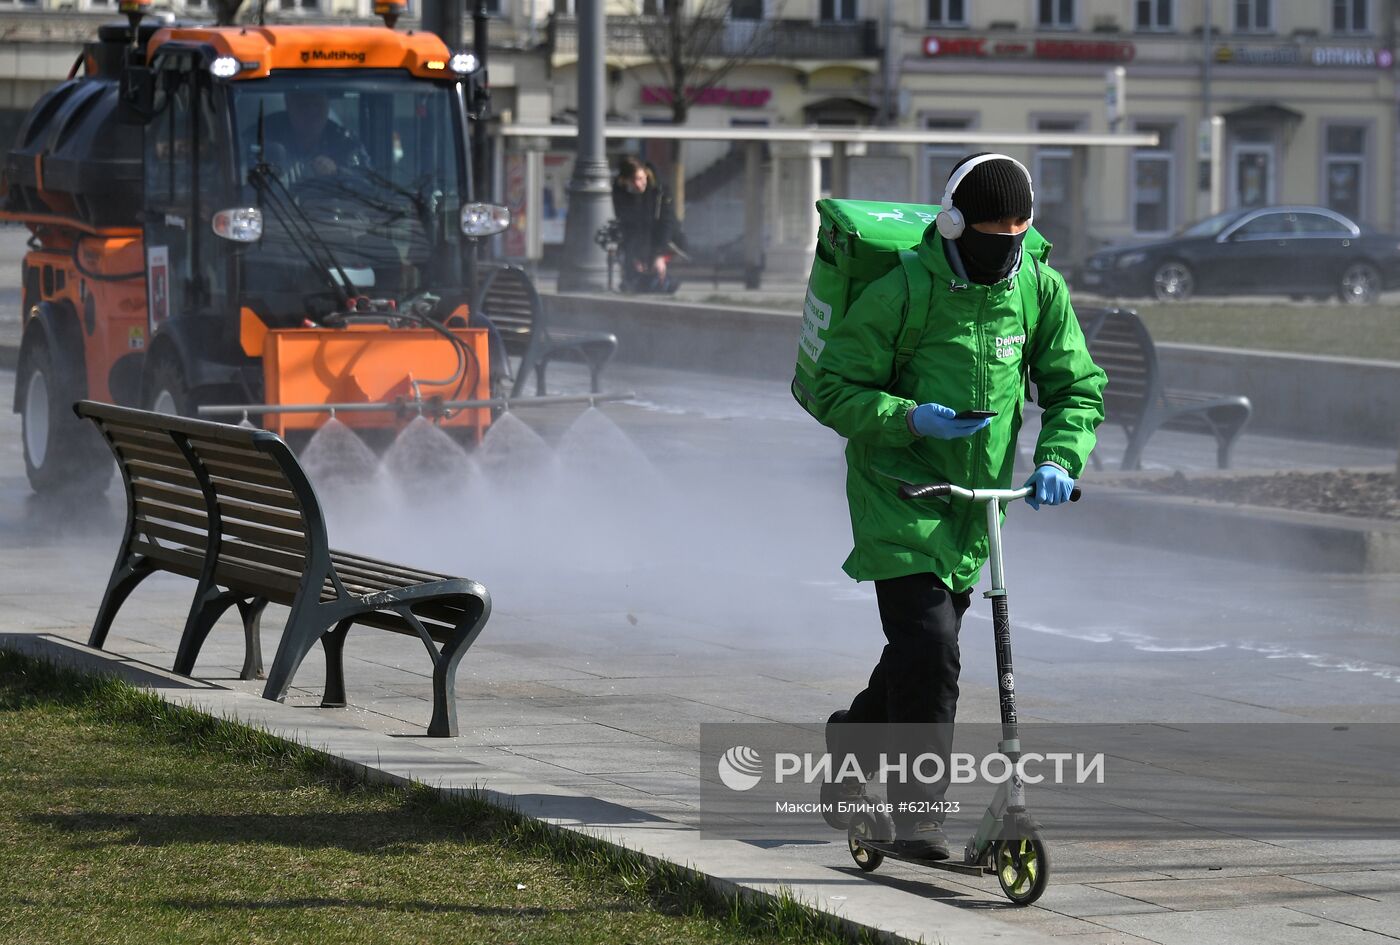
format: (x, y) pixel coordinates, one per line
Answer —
(988, 257)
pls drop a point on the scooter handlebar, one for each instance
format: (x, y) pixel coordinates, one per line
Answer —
(926, 491)
(930, 490)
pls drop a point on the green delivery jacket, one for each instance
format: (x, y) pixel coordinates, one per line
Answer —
(973, 355)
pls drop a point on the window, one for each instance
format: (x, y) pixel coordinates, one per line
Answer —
(1343, 168)
(1351, 16)
(1153, 175)
(1317, 224)
(1052, 169)
(940, 158)
(304, 6)
(1155, 14)
(1265, 226)
(1056, 15)
(1254, 16)
(746, 10)
(838, 11)
(947, 12)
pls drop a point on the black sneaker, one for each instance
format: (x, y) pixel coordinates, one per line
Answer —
(926, 842)
(836, 793)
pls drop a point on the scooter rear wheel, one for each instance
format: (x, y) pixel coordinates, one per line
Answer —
(863, 827)
(1022, 867)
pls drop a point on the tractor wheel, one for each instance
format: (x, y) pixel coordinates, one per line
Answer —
(61, 452)
(166, 391)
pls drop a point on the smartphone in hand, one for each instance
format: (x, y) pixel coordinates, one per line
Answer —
(974, 414)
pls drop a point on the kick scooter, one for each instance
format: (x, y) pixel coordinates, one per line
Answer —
(1008, 840)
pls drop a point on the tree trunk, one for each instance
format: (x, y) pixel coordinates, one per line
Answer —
(680, 112)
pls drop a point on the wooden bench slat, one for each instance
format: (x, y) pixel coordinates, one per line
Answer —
(155, 529)
(234, 510)
(263, 556)
(276, 586)
(140, 469)
(157, 511)
(260, 496)
(244, 472)
(169, 460)
(373, 564)
(185, 497)
(253, 459)
(271, 537)
(182, 562)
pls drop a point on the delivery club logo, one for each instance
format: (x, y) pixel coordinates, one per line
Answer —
(740, 768)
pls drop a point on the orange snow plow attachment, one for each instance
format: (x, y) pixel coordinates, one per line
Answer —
(373, 364)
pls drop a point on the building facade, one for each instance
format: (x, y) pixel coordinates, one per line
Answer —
(1306, 89)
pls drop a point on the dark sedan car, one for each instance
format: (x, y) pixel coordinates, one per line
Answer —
(1303, 252)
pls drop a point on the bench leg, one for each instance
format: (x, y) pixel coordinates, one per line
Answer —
(304, 627)
(205, 611)
(528, 362)
(125, 577)
(334, 645)
(251, 611)
(444, 721)
(539, 378)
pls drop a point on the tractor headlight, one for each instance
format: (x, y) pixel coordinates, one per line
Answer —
(225, 67)
(1130, 259)
(240, 224)
(484, 219)
(464, 63)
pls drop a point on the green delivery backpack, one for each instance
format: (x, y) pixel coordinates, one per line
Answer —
(859, 241)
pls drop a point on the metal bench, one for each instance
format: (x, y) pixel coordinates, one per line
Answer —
(509, 306)
(231, 508)
(1136, 399)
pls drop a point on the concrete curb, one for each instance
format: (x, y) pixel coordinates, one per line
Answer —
(730, 866)
(1311, 541)
(1331, 399)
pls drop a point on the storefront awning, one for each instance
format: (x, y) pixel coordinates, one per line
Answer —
(1264, 113)
(833, 110)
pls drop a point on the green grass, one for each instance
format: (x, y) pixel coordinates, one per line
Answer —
(1371, 331)
(124, 819)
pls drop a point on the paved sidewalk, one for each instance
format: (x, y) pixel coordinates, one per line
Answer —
(708, 590)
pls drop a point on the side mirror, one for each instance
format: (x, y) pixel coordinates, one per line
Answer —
(138, 94)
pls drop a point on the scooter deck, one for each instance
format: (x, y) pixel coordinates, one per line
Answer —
(949, 865)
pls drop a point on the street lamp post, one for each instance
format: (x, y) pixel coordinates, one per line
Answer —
(590, 188)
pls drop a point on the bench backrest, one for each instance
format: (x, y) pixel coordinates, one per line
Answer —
(225, 502)
(1120, 343)
(509, 300)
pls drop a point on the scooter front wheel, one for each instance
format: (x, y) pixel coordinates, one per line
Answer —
(1023, 867)
(863, 827)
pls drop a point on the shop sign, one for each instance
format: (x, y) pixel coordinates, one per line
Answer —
(716, 95)
(1070, 49)
(1290, 55)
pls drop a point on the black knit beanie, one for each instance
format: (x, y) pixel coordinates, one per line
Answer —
(994, 190)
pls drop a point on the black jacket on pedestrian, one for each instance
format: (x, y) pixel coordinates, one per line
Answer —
(647, 220)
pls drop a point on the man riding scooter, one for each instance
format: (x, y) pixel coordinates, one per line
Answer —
(950, 414)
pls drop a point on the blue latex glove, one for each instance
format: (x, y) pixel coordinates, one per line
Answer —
(937, 420)
(1052, 486)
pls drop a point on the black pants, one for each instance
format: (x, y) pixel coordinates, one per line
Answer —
(916, 681)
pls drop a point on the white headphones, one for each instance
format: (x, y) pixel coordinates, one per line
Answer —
(950, 221)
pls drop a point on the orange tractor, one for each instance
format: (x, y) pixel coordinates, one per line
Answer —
(271, 216)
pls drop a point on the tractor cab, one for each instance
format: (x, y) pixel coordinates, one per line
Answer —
(296, 177)
(278, 219)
